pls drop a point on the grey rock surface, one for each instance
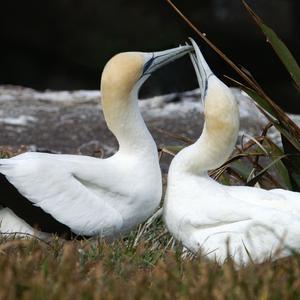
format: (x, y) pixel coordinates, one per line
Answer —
(73, 122)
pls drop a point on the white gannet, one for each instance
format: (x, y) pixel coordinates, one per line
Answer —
(73, 195)
(248, 223)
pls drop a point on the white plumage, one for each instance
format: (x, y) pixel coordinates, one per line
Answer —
(246, 222)
(94, 196)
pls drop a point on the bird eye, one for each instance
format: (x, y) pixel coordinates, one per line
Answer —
(148, 64)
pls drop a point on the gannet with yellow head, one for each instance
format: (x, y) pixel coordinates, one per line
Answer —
(73, 195)
(203, 214)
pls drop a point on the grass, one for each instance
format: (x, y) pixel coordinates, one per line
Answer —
(32, 269)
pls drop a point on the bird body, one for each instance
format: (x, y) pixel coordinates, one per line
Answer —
(73, 195)
(89, 195)
(247, 223)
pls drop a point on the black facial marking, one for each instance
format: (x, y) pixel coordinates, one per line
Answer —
(32, 215)
(148, 64)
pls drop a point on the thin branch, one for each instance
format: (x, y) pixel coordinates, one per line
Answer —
(213, 46)
(280, 114)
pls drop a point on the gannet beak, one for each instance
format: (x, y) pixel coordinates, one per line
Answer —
(202, 69)
(159, 59)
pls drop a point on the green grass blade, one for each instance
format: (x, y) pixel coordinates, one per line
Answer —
(241, 168)
(255, 179)
(261, 102)
(279, 47)
(292, 163)
(280, 166)
(277, 118)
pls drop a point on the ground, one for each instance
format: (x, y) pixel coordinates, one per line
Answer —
(147, 268)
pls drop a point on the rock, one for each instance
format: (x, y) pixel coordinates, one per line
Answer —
(72, 122)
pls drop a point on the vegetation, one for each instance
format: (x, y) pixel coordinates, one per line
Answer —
(148, 263)
(152, 268)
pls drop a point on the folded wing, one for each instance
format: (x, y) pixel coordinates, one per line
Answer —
(49, 185)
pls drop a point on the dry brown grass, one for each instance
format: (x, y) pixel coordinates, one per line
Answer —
(31, 269)
(147, 264)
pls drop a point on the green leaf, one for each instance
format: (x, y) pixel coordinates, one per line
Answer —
(279, 47)
(292, 163)
(280, 167)
(255, 179)
(242, 168)
(278, 118)
(263, 103)
(223, 179)
(283, 52)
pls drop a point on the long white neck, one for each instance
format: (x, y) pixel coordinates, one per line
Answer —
(219, 134)
(124, 119)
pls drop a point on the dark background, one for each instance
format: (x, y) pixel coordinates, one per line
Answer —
(64, 44)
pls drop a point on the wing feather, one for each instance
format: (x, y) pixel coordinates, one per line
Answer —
(52, 187)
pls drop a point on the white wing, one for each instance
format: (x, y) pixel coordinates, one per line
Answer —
(50, 185)
(264, 231)
(238, 204)
(278, 199)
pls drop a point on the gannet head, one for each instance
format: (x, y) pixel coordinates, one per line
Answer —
(127, 71)
(221, 110)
